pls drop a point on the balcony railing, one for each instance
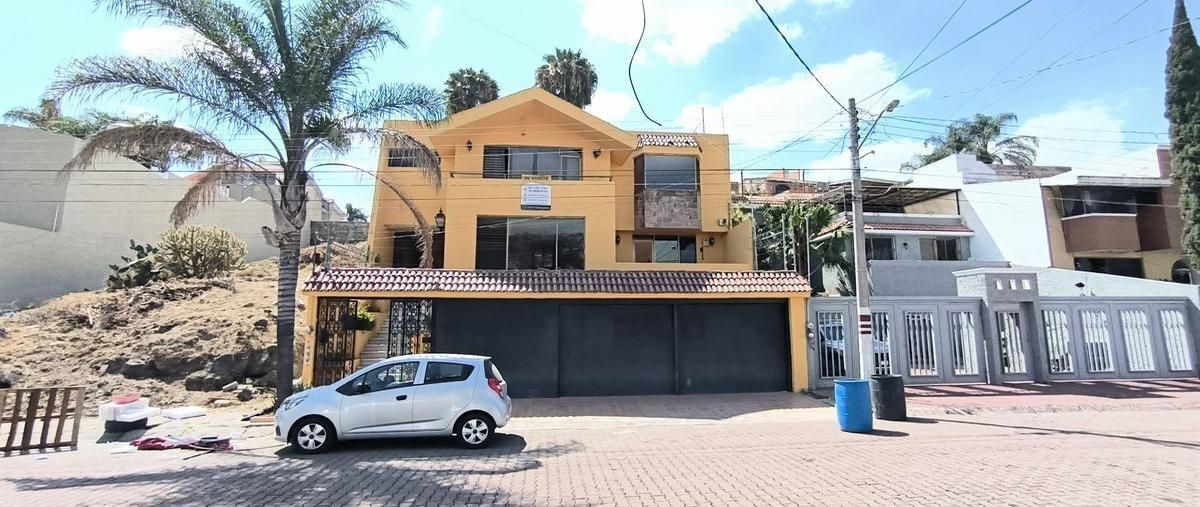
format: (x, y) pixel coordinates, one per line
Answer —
(1110, 232)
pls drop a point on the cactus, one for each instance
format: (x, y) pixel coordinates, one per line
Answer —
(140, 270)
(195, 251)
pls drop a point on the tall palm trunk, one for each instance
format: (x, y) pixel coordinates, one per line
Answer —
(285, 333)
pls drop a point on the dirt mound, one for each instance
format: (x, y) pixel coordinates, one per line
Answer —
(176, 341)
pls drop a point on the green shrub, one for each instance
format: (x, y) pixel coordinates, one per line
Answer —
(364, 321)
(195, 251)
(140, 270)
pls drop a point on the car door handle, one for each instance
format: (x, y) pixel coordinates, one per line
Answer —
(402, 397)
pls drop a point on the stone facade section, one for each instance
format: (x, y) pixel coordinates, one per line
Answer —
(667, 209)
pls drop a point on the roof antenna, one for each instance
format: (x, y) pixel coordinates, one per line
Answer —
(631, 56)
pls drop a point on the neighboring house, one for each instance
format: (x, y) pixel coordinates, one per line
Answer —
(779, 182)
(585, 259)
(1072, 219)
(62, 230)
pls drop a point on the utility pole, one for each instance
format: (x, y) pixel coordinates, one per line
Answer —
(862, 283)
(862, 286)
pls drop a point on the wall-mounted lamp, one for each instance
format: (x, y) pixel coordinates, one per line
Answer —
(596, 152)
(905, 245)
(711, 241)
(440, 219)
(469, 145)
(618, 239)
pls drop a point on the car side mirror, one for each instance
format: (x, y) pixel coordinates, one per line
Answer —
(362, 388)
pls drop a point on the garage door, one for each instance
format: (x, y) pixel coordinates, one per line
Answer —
(579, 348)
(615, 349)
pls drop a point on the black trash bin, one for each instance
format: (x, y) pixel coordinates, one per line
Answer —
(888, 393)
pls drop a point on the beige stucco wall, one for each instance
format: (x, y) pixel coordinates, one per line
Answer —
(99, 210)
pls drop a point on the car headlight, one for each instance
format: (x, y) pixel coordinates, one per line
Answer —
(292, 402)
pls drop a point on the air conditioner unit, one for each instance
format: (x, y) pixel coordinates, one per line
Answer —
(722, 222)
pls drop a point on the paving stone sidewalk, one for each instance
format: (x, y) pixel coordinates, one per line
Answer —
(749, 449)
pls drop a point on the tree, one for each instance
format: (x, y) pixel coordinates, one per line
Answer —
(467, 88)
(982, 137)
(283, 72)
(569, 76)
(47, 116)
(1183, 112)
(355, 214)
(780, 231)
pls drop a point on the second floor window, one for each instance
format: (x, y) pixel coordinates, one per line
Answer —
(944, 249)
(666, 172)
(529, 243)
(1084, 200)
(516, 161)
(400, 157)
(880, 249)
(664, 249)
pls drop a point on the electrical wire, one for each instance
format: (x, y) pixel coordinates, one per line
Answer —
(802, 62)
(630, 70)
(923, 49)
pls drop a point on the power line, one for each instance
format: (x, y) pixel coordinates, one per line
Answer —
(952, 48)
(925, 47)
(802, 62)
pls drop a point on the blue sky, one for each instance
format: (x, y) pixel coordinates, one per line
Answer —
(1100, 108)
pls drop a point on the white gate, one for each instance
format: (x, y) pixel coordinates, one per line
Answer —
(926, 340)
(1109, 338)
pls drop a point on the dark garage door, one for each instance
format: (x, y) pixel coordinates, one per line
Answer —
(580, 348)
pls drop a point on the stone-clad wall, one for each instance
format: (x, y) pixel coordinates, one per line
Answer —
(668, 209)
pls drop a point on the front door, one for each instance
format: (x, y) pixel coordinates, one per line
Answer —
(381, 400)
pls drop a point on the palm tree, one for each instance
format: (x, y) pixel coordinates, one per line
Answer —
(47, 116)
(282, 73)
(467, 88)
(569, 76)
(355, 214)
(981, 136)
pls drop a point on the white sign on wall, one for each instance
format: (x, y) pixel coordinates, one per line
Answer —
(535, 196)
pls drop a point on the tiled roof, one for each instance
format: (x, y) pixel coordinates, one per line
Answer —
(533, 281)
(887, 226)
(657, 139)
(782, 198)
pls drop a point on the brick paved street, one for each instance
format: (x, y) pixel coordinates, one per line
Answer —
(745, 449)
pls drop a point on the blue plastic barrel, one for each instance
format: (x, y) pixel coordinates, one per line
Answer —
(852, 398)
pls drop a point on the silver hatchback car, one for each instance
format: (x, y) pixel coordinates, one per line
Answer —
(418, 395)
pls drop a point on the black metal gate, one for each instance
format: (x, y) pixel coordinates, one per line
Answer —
(334, 357)
(410, 326)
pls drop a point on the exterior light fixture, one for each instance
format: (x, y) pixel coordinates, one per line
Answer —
(440, 219)
(596, 152)
(469, 145)
(711, 241)
(618, 239)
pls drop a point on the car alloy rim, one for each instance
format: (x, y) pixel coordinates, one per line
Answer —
(311, 436)
(475, 431)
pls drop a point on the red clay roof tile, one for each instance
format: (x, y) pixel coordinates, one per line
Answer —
(529, 281)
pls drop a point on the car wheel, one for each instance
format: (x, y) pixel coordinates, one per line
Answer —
(474, 430)
(313, 436)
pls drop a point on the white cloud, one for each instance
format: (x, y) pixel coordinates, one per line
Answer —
(1088, 137)
(158, 42)
(771, 113)
(611, 106)
(433, 23)
(682, 31)
(791, 30)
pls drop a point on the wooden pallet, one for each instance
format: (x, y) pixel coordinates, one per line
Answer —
(32, 412)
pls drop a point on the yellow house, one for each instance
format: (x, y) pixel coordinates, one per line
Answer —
(585, 259)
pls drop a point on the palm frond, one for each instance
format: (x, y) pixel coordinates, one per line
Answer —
(172, 144)
(414, 101)
(424, 158)
(205, 188)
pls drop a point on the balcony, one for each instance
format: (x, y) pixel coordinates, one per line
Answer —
(667, 209)
(1103, 232)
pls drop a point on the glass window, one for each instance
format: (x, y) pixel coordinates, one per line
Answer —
(1084, 200)
(515, 161)
(942, 249)
(664, 249)
(400, 157)
(1112, 266)
(437, 372)
(390, 377)
(529, 243)
(880, 249)
(667, 172)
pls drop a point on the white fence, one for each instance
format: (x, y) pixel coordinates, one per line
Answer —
(962, 340)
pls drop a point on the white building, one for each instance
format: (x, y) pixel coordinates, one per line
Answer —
(60, 231)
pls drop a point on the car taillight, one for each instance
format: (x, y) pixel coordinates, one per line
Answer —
(495, 385)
